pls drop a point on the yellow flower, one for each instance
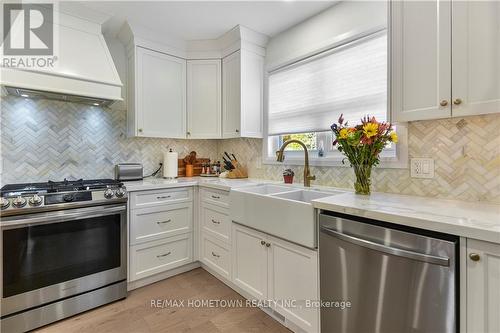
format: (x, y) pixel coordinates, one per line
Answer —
(370, 129)
(343, 133)
(394, 137)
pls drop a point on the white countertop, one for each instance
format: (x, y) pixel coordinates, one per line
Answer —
(468, 219)
(217, 183)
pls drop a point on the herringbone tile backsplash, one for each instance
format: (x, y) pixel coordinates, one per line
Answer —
(44, 139)
(466, 153)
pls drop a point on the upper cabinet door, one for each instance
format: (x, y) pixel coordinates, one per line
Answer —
(421, 60)
(242, 92)
(231, 87)
(476, 57)
(161, 95)
(204, 99)
(252, 94)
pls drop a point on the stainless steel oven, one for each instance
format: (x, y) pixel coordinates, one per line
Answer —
(59, 263)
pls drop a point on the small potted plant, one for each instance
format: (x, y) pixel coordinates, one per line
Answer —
(288, 176)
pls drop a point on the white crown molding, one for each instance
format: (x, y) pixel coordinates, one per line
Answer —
(235, 39)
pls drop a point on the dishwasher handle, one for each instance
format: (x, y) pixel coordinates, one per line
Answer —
(442, 261)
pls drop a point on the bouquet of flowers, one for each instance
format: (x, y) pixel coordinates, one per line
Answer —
(362, 144)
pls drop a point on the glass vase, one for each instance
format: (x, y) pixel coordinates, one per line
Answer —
(363, 178)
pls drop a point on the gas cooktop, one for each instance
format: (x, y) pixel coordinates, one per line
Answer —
(34, 197)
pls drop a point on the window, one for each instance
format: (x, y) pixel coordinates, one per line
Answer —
(305, 98)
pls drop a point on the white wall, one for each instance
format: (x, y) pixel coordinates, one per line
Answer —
(336, 25)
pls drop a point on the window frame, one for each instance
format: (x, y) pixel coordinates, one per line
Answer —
(270, 144)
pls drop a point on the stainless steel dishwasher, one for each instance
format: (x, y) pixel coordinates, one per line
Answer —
(396, 279)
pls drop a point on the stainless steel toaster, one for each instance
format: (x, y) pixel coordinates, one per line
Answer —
(128, 171)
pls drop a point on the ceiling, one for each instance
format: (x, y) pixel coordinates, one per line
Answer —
(196, 20)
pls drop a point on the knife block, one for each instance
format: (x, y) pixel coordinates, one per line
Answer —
(239, 171)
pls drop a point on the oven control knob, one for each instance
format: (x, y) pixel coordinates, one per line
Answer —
(4, 203)
(19, 202)
(35, 200)
(68, 197)
(120, 193)
(108, 194)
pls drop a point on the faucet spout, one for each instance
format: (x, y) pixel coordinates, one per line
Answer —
(280, 157)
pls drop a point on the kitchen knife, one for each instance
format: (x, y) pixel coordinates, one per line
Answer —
(234, 157)
(229, 157)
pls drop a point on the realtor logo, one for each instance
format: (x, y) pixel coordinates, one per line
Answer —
(28, 29)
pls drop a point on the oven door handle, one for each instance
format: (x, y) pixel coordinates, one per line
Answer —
(442, 261)
(60, 216)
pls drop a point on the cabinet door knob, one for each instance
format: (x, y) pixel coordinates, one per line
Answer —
(443, 102)
(237, 131)
(474, 257)
(262, 242)
(268, 244)
(140, 130)
(457, 101)
(188, 133)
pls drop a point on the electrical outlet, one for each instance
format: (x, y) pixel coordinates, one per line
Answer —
(422, 168)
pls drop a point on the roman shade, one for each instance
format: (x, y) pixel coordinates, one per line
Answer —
(310, 95)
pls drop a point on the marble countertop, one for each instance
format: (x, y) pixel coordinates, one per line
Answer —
(468, 219)
(217, 183)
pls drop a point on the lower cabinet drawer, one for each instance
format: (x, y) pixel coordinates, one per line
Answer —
(151, 198)
(147, 224)
(159, 256)
(216, 197)
(215, 221)
(216, 256)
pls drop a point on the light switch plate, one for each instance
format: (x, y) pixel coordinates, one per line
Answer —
(422, 168)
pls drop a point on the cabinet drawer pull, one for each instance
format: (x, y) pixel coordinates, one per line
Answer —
(215, 197)
(164, 197)
(474, 257)
(215, 255)
(215, 222)
(163, 222)
(163, 255)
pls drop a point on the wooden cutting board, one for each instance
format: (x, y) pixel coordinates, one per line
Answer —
(197, 166)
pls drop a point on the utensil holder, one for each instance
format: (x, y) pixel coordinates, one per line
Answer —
(239, 171)
(189, 170)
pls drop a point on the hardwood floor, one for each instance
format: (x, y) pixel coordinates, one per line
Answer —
(135, 314)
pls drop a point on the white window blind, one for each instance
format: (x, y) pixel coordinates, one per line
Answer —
(310, 96)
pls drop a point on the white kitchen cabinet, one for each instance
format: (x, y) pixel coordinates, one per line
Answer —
(216, 256)
(270, 268)
(158, 256)
(204, 99)
(476, 57)
(215, 222)
(156, 94)
(483, 287)
(421, 60)
(445, 59)
(249, 254)
(242, 92)
(293, 275)
(160, 232)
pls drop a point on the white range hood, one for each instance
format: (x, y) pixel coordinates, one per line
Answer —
(83, 69)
